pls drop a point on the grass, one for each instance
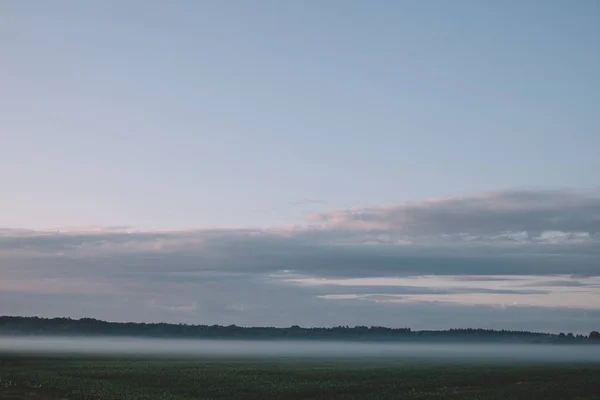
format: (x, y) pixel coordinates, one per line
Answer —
(29, 377)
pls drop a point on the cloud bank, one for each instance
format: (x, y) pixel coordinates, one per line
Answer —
(497, 258)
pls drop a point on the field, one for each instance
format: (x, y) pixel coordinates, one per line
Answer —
(29, 377)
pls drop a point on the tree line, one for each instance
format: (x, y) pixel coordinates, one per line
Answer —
(14, 325)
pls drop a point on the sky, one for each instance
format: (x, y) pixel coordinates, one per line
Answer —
(428, 164)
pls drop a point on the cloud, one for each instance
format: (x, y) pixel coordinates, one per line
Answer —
(511, 217)
(515, 214)
(537, 249)
(518, 290)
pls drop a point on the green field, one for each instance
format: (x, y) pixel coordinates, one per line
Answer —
(61, 377)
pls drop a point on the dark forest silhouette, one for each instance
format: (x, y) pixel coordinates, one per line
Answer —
(11, 325)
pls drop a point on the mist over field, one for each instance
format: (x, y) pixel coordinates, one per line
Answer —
(301, 349)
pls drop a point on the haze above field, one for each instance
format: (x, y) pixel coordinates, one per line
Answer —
(429, 165)
(300, 349)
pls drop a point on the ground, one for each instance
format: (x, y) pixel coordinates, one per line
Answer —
(92, 378)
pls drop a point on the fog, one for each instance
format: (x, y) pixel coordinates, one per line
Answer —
(301, 349)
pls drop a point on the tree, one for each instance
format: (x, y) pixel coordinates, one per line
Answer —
(594, 335)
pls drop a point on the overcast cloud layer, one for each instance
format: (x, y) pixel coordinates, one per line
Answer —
(518, 259)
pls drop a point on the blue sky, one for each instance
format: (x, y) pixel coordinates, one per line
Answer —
(321, 123)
